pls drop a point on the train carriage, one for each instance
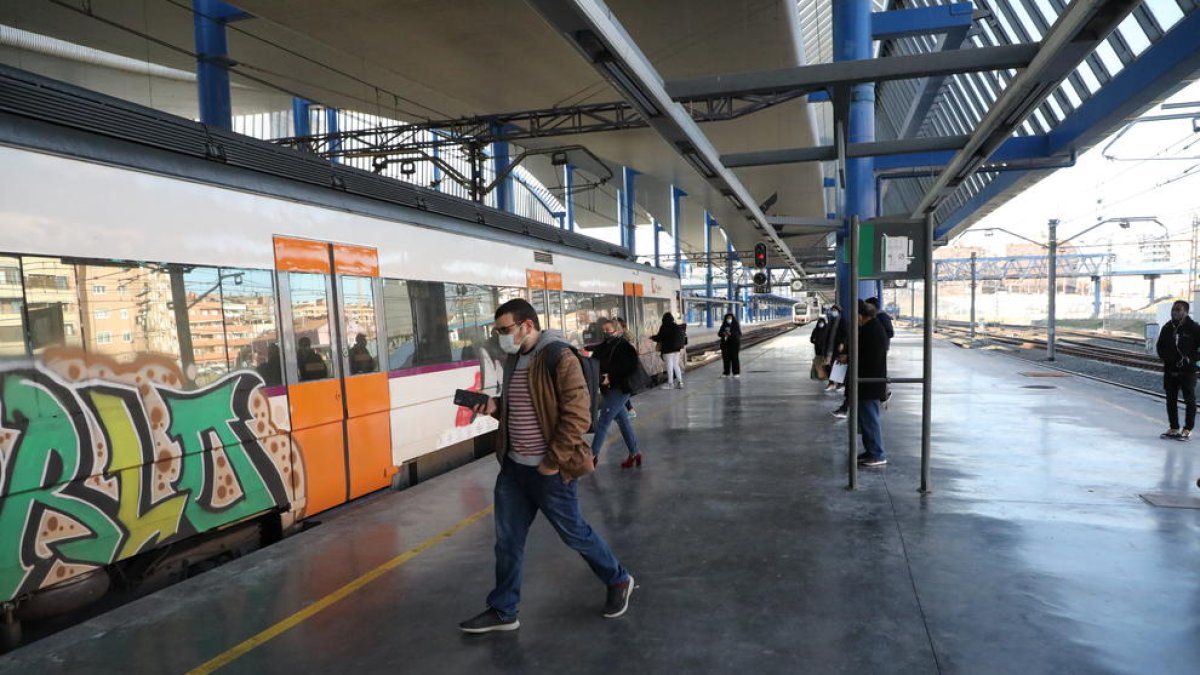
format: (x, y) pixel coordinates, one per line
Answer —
(186, 348)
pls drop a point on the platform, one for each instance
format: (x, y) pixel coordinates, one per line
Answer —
(1034, 554)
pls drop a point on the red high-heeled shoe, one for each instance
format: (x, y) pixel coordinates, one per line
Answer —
(631, 460)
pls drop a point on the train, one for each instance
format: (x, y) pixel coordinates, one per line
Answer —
(805, 312)
(207, 340)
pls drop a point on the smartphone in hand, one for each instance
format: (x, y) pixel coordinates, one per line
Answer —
(470, 399)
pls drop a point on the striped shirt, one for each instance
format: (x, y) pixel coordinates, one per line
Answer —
(525, 441)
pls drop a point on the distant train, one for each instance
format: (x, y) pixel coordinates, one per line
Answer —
(194, 355)
(805, 312)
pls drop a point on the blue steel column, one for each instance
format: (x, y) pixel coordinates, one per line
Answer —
(729, 289)
(627, 226)
(300, 122)
(852, 41)
(709, 224)
(500, 162)
(657, 228)
(569, 195)
(676, 222)
(331, 127)
(212, 62)
(1096, 300)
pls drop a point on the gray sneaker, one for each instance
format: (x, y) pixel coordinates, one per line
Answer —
(617, 600)
(487, 621)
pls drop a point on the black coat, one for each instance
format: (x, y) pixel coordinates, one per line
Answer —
(872, 359)
(1177, 346)
(669, 338)
(731, 335)
(886, 321)
(818, 338)
(618, 359)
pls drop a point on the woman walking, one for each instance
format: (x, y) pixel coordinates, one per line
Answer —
(623, 333)
(670, 343)
(618, 361)
(731, 344)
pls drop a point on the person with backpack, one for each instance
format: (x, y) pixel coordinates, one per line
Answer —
(618, 368)
(543, 410)
(1179, 348)
(670, 343)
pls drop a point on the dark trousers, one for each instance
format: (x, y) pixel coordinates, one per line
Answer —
(520, 493)
(729, 358)
(1174, 382)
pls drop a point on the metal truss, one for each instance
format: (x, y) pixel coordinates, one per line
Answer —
(1024, 267)
(482, 130)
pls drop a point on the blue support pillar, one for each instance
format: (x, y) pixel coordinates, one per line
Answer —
(676, 223)
(852, 42)
(627, 208)
(301, 125)
(569, 195)
(1096, 297)
(500, 162)
(331, 127)
(212, 60)
(709, 223)
(730, 293)
(657, 253)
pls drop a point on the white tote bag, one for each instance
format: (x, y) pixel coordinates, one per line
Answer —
(838, 373)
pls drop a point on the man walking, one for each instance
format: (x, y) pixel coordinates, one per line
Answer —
(544, 410)
(872, 363)
(1178, 341)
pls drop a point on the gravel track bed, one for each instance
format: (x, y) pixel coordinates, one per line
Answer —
(1133, 377)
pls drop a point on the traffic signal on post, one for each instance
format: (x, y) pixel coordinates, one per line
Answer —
(761, 283)
(760, 255)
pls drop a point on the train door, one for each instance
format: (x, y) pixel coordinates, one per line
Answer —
(544, 292)
(337, 392)
(634, 311)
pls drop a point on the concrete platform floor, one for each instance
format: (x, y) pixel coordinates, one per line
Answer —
(1034, 553)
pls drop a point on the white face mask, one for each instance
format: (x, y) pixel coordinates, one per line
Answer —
(509, 344)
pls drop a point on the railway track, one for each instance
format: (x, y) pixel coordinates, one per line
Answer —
(1076, 345)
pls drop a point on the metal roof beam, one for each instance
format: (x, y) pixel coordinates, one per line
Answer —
(902, 23)
(828, 153)
(590, 27)
(1076, 34)
(843, 73)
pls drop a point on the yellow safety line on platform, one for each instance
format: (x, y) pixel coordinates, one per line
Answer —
(340, 594)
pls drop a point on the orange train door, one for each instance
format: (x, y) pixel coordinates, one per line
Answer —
(337, 392)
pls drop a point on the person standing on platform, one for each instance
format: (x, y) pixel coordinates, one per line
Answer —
(835, 344)
(544, 410)
(886, 320)
(872, 364)
(818, 337)
(670, 343)
(1178, 341)
(618, 362)
(731, 345)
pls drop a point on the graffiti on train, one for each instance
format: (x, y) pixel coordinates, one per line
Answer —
(100, 461)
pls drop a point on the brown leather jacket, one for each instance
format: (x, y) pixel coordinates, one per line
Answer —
(563, 410)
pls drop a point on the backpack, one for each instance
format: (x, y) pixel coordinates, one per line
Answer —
(591, 376)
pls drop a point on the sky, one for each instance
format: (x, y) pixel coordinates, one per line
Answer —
(1152, 170)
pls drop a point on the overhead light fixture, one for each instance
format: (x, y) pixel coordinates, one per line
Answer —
(408, 167)
(698, 163)
(632, 92)
(558, 158)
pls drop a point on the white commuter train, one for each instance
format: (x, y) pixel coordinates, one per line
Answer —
(188, 347)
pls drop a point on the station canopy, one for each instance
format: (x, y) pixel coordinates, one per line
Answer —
(620, 72)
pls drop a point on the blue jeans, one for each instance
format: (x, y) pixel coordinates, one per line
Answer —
(612, 406)
(520, 493)
(871, 428)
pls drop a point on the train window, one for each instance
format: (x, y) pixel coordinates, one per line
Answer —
(470, 310)
(12, 321)
(52, 303)
(417, 325)
(310, 325)
(555, 309)
(149, 315)
(654, 310)
(251, 336)
(358, 314)
(577, 309)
